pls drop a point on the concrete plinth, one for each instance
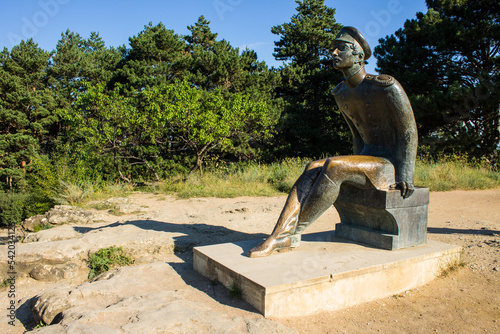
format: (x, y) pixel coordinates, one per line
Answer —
(324, 274)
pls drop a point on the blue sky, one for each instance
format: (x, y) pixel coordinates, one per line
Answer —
(241, 22)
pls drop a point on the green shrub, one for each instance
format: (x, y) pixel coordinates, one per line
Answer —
(37, 204)
(12, 208)
(15, 207)
(41, 227)
(283, 175)
(107, 258)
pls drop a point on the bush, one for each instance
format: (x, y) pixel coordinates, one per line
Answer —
(73, 193)
(37, 204)
(12, 208)
(107, 258)
(15, 207)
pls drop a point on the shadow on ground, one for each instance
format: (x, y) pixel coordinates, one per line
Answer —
(446, 230)
(24, 314)
(192, 234)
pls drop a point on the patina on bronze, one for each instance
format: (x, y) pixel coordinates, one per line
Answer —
(381, 120)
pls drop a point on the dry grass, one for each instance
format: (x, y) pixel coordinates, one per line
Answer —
(443, 174)
(455, 172)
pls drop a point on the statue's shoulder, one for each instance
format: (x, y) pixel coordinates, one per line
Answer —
(382, 80)
(337, 88)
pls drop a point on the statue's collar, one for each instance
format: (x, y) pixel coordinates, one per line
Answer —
(356, 78)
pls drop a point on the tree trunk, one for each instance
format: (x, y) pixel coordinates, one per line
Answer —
(117, 166)
(157, 178)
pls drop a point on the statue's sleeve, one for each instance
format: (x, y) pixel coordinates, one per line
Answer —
(401, 113)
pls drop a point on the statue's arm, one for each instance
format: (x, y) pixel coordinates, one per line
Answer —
(357, 141)
(406, 138)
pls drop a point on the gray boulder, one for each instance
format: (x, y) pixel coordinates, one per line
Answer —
(61, 214)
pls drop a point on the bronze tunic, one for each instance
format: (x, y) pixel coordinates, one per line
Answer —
(381, 120)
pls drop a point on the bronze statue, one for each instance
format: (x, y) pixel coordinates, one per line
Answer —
(384, 132)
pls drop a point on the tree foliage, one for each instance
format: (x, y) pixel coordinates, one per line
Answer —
(448, 61)
(200, 120)
(26, 110)
(113, 126)
(310, 124)
(169, 117)
(88, 111)
(155, 56)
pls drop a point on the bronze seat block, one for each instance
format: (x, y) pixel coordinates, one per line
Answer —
(381, 217)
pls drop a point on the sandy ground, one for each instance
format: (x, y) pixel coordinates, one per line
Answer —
(465, 301)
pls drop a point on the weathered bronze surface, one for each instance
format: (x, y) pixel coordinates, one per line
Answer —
(381, 120)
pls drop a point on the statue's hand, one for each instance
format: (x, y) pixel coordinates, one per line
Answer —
(405, 187)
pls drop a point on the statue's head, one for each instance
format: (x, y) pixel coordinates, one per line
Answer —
(350, 48)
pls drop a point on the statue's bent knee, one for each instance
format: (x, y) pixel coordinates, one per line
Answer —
(363, 171)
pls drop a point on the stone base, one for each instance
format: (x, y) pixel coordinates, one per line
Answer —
(382, 218)
(324, 274)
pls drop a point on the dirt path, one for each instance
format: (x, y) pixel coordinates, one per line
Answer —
(466, 301)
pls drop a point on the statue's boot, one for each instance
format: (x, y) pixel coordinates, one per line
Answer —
(282, 238)
(287, 235)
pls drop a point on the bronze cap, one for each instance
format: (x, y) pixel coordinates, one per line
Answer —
(351, 35)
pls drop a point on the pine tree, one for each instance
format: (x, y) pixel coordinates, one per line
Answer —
(201, 35)
(310, 125)
(212, 64)
(448, 60)
(26, 110)
(155, 56)
(216, 65)
(76, 62)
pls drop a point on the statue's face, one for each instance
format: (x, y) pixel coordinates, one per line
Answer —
(342, 55)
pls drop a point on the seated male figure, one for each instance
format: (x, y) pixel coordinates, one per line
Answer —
(381, 120)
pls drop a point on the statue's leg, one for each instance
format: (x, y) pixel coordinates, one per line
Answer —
(316, 191)
(362, 171)
(287, 221)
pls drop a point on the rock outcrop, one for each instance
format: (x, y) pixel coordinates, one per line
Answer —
(61, 253)
(149, 298)
(61, 214)
(159, 293)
